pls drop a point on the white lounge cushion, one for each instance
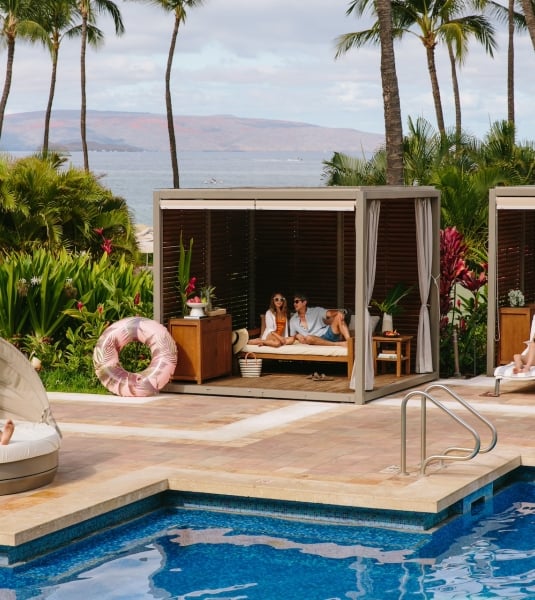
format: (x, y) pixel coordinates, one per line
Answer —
(506, 371)
(30, 440)
(298, 348)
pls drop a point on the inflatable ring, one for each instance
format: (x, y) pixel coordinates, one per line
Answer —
(145, 383)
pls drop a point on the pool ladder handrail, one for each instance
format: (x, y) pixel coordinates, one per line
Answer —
(469, 452)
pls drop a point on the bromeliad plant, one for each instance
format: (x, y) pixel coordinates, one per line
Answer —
(186, 283)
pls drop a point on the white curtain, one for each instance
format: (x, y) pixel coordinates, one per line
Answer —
(374, 208)
(424, 241)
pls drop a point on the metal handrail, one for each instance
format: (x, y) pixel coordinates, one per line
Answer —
(469, 453)
(478, 415)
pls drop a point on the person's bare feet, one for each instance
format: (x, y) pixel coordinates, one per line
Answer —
(7, 432)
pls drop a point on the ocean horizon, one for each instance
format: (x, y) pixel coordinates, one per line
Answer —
(135, 175)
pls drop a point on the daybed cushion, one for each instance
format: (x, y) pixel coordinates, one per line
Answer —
(297, 348)
(30, 440)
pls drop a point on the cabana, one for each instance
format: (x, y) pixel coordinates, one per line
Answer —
(342, 246)
(511, 254)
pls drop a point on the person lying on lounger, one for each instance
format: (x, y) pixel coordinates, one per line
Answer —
(524, 362)
(7, 432)
(316, 325)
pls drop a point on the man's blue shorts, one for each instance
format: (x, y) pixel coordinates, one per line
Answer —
(330, 336)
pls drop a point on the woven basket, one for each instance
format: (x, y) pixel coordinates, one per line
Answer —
(250, 367)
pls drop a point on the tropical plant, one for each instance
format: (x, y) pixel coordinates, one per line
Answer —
(56, 306)
(353, 171)
(88, 10)
(463, 307)
(179, 9)
(45, 205)
(390, 305)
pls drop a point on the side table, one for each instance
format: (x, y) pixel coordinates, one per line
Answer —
(393, 349)
(204, 347)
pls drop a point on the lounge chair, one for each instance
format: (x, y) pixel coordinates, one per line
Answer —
(30, 460)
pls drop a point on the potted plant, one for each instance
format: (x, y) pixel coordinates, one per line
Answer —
(390, 307)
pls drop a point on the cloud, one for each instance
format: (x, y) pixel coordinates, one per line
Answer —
(270, 59)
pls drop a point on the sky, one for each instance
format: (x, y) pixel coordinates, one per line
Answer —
(271, 59)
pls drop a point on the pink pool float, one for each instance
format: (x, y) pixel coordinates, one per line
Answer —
(125, 383)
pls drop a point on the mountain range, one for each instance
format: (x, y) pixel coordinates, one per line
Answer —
(132, 131)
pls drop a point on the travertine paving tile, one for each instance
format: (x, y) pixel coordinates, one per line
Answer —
(115, 450)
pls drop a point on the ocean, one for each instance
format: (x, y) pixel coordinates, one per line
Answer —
(135, 175)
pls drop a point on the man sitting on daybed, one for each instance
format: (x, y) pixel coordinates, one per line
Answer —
(316, 325)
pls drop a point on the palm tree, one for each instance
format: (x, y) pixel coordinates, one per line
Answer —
(529, 13)
(434, 21)
(58, 19)
(515, 22)
(14, 21)
(178, 7)
(88, 10)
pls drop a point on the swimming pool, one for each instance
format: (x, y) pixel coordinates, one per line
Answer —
(191, 553)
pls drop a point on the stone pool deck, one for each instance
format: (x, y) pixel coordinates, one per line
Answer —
(118, 450)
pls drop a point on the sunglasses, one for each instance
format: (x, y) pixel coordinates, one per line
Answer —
(297, 301)
(279, 299)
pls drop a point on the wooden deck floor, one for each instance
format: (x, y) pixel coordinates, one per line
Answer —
(296, 377)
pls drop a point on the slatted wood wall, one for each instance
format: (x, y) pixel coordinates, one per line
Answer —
(515, 254)
(397, 260)
(248, 255)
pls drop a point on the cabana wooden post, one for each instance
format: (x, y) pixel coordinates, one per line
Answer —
(342, 246)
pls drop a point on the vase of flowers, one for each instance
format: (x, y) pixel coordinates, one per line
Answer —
(516, 298)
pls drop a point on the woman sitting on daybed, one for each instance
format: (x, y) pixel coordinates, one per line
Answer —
(276, 323)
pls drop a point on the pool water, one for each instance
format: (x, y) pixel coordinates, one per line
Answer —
(198, 554)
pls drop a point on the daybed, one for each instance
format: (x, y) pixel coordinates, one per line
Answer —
(30, 459)
(306, 352)
(506, 371)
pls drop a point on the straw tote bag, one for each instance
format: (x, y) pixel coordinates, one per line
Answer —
(250, 366)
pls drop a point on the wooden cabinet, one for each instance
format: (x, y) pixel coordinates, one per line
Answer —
(204, 347)
(515, 325)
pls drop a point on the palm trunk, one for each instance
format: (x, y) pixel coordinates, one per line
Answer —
(529, 13)
(83, 110)
(51, 92)
(511, 63)
(7, 81)
(456, 94)
(391, 102)
(436, 89)
(169, 107)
